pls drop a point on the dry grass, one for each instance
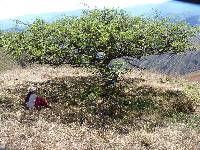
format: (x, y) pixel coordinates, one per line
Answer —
(62, 128)
(41, 134)
(193, 77)
(34, 132)
(6, 61)
(37, 74)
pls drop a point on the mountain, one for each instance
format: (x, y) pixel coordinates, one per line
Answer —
(176, 9)
(170, 64)
(173, 64)
(167, 8)
(10, 24)
(193, 20)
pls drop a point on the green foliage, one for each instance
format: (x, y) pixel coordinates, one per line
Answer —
(77, 40)
(110, 32)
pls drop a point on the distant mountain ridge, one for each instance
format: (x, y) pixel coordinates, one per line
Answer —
(183, 11)
(170, 64)
(9, 24)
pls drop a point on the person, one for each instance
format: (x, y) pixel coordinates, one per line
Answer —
(32, 100)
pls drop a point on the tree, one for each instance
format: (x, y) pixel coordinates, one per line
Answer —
(113, 33)
(93, 40)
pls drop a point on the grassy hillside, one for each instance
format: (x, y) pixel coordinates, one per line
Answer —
(148, 111)
(6, 62)
(194, 76)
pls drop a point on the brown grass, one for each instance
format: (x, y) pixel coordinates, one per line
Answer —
(193, 77)
(6, 62)
(40, 134)
(69, 125)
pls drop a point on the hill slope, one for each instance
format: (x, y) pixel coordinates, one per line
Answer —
(173, 64)
(170, 64)
(194, 76)
(74, 126)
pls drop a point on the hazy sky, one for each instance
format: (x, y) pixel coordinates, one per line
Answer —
(13, 8)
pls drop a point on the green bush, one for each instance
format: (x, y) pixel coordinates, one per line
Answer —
(77, 40)
(97, 37)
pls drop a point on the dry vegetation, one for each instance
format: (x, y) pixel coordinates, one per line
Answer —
(194, 77)
(166, 115)
(6, 62)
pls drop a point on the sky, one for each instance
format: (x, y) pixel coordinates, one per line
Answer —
(14, 8)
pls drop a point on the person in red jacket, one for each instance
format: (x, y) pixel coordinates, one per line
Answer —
(32, 100)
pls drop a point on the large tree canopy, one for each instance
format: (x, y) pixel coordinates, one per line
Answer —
(94, 39)
(77, 40)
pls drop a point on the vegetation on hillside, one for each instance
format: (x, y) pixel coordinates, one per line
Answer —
(154, 109)
(6, 61)
(103, 100)
(77, 40)
(97, 37)
(94, 39)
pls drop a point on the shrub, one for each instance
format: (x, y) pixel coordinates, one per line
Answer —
(114, 32)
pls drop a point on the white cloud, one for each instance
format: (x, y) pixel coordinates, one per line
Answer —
(13, 8)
